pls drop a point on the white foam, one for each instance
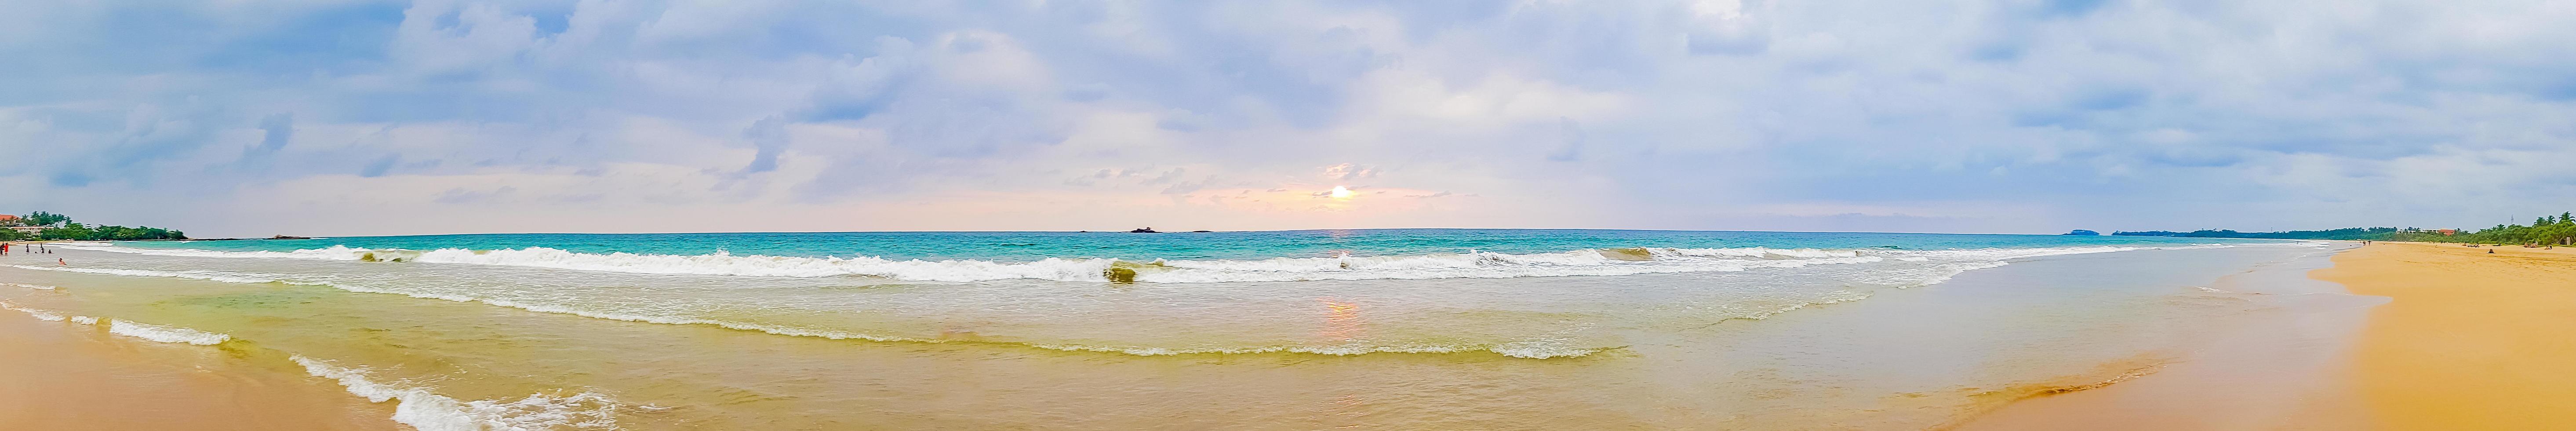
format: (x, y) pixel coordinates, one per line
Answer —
(85, 320)
(1541, 350)
(29, 286)
(166, 334)
(227, 277)
(39, 313)
(428, 411)
(1425, 266)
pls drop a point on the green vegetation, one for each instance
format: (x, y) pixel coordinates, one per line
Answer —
(2357, 233)
(61, 227)
(75, 231)
(2560, 230)
(2546, 230)
(41, 218)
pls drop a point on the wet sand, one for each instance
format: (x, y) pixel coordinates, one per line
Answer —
(67, 376)
(2467, 339)
(2472, 340)
(2273, 369)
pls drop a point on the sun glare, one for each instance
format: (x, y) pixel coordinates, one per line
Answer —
(1340, 192)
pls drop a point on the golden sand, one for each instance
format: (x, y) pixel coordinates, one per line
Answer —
(2472, 339)
(63, 376)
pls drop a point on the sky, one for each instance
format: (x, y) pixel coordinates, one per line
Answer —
(328, 117)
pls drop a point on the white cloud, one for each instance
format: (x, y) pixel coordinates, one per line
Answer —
(1704, 114)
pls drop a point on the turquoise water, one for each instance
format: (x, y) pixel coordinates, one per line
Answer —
(1029, 246)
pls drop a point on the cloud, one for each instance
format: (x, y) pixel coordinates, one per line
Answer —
(1634, 114)
(275, 130)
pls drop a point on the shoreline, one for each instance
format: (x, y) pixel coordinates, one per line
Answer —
(2275, 368)
(2464, 339)
(64, 375)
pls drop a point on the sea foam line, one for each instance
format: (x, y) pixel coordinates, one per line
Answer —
(428, 411)
(1585, 262)
(165, 334)
(159, 333)
(226, 277)
(39, 313)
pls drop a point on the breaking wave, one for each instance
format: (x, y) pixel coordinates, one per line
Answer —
(1586, 262)
(165, 334)
(428, 411)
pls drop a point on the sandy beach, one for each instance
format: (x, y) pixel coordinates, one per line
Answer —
(2472, 340)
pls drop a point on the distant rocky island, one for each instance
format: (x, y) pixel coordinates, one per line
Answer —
(1151, 230)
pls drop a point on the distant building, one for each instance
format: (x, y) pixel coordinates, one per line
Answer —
(5, 218)
(29, 230)
(2449, 232)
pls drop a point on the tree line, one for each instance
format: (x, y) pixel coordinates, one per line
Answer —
(2356, 233)
(61, 227)
(2546, 230)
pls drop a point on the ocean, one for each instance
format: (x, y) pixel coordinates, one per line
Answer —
(1387, 329)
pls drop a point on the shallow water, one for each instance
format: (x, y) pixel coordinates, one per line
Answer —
(1383, 329)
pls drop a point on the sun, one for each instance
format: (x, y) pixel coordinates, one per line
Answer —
(1340, 192)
